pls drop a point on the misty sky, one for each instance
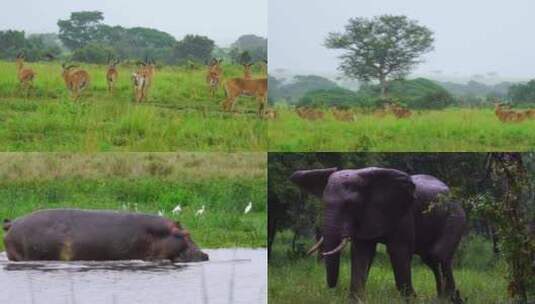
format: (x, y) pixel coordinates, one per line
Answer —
(471, 37)
(222, 21)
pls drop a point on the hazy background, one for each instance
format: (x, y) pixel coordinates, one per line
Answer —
(482, 40)
(222, 21)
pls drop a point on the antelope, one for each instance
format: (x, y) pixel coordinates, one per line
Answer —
(343, 115)
(25, 75)
(530, 114)
(75, 79)
(142, 79)
(509, 115)
(236, 87)
(247, 70)
(112, 75)
(213, 77)
(309, 114)
(400, 111)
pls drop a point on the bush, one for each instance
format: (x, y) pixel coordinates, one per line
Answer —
(93, 53)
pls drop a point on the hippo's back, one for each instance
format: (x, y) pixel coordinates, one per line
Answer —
(73, 234)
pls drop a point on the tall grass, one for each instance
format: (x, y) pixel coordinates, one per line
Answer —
(179, 114)
(146, 183)
(448, 130)
(302, 280)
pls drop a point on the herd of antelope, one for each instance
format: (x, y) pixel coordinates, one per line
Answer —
(312, 114)
(506, 114)
(77, 80)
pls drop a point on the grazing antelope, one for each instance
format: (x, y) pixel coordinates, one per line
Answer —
(25, 75)
(343, 115)
(530, 114)
(75, 79)
(213, 77)
(508, 115)
(309, 113)
(398, 110)
(112, 75)
(247, 70)
(236, 87)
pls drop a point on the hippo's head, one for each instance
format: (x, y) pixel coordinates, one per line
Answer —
(180, 247)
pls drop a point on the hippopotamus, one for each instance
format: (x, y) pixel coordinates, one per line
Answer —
(97, 235)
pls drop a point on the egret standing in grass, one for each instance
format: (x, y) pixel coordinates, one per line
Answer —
(161, 213)
(248, 208)
(177, 209)
(200, 211)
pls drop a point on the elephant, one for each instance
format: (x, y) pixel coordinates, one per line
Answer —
(379, 205)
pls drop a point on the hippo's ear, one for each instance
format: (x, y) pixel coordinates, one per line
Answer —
(312, 181)
(7, 224)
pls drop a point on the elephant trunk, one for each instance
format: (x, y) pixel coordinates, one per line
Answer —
(332, 261)
(336, 235)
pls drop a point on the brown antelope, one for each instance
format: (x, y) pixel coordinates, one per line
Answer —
(142, 79)
(343, 115)
(25, 75)
(508, 115)
(399, 111)
(236, 87)
(530, 113)
(112, 75)
(247, 70)
(213, 77)
(75, 79)
(309, 113)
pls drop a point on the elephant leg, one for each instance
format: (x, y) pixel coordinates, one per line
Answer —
(362, 254)
(449, 288)
(400, 257)
(439, 279)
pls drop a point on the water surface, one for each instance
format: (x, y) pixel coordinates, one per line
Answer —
(231, 276)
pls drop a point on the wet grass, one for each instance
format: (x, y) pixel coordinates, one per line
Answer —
(179, 115)
(450, 130)
(479, 277)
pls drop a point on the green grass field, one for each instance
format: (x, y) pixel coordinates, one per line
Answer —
(470, 130)
(480, 279)
(143, 182)
(178, 116)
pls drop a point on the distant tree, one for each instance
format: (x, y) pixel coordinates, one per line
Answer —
(523, 93)
(254, 45)
(382, 48)
(93, 53)
(245, 57)
(80, 29)
(11, 42)
(193, 48)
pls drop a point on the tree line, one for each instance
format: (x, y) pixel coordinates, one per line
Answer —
(84, 37)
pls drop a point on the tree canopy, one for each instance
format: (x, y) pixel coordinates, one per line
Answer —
(382, 48)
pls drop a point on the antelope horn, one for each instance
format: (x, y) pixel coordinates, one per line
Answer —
(337, 249)
(315, 247)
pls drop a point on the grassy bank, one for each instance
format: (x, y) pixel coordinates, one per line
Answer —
(146, 183)
(179, 114)
(479, 278)
(447, 130)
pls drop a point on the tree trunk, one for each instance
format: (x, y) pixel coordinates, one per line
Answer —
(384, 87)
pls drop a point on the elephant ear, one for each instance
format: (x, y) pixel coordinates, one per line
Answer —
(390, 190)
(312, 181)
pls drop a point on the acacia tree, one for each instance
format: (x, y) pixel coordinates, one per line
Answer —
(80, 29)
(382, 48)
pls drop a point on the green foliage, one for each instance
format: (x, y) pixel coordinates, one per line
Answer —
(523, 93)
(81, 29)
(93, 53)
(193, 48)
(295, 89)
(382, 48)
(255, 46)
(336, 97)
(34, 47)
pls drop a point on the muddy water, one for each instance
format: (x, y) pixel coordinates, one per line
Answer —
(231, 276)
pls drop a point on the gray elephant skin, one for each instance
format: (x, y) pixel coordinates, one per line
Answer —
(409, 214)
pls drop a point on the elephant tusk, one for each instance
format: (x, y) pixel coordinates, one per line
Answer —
(337, 249)
(315, 247)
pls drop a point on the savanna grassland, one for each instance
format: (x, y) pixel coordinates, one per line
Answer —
(179, 115)
(479, 277)
(146, 182)
(452, 129)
